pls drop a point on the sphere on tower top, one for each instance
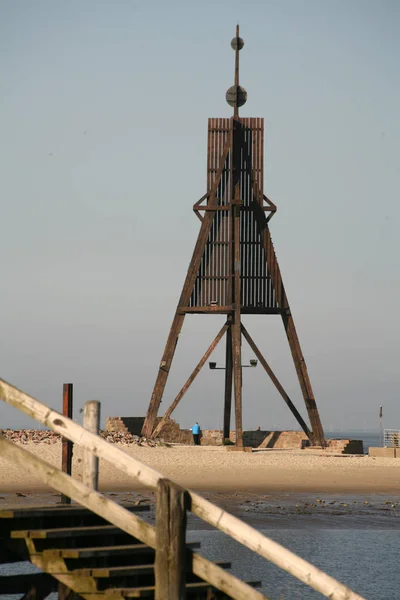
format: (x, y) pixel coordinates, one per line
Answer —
(236, 96)
(237, 43)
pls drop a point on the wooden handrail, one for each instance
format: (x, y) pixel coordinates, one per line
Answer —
(225, 522)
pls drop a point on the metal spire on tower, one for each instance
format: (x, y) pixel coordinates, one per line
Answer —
(236, 95)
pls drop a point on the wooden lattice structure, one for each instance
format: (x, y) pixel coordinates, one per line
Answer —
(234, 269)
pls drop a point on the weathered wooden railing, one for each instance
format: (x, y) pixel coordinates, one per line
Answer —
(170, 499)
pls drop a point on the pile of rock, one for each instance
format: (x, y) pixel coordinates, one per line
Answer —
(128, 439)
(30, 436)
(46, 436)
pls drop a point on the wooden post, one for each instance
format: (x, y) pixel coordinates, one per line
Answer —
(170, 568)
(228, 385)
(66, 460)
(91, 422)
(236, 331)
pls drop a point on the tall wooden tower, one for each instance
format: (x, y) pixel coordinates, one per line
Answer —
(234, 270)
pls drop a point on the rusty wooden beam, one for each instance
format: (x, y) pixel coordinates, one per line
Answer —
(236, 331)
(276, 383)
(189, 382)
(66, 460)
(205, 309)
(228, 385)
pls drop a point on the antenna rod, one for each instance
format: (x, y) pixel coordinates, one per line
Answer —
(236, 108)
(236, 95)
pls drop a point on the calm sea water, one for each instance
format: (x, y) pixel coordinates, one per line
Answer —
(364, 559)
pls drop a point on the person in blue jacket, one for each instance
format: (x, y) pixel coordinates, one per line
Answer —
(196, 434)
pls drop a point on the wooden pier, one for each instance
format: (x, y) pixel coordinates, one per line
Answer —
(98, 549)
(79, 552)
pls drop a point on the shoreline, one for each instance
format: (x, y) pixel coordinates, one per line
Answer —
(214, 469)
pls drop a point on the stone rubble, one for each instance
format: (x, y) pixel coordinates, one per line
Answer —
(45, 436)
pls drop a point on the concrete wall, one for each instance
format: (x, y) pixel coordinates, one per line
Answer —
(213, 437)
(384, 452)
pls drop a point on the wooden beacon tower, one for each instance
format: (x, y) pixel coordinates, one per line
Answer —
(234, 270)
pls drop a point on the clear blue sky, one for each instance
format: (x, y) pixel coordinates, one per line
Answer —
(103, 110)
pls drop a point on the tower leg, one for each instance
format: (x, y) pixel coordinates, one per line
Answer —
(304, 380)
(162, 376)
(236, 329)
(237, 378)
(228, 384)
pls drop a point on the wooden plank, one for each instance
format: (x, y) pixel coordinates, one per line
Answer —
(58, 511)
(91, 422)
(189, 382)
(110, 572)
(170, 563)
(66, 532)
(106, 551)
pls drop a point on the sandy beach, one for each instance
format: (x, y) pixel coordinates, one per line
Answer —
(215, 469)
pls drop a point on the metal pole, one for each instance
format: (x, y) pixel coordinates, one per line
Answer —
(66, 460)
(91, 422)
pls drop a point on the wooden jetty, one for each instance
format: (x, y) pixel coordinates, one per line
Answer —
(98, 549)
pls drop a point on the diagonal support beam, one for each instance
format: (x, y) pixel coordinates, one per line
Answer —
(276, 383)
(189, 382)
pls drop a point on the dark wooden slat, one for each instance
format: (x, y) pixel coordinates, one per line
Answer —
(110, 572)
(67, 532)
(57, 511)
(107, 551)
